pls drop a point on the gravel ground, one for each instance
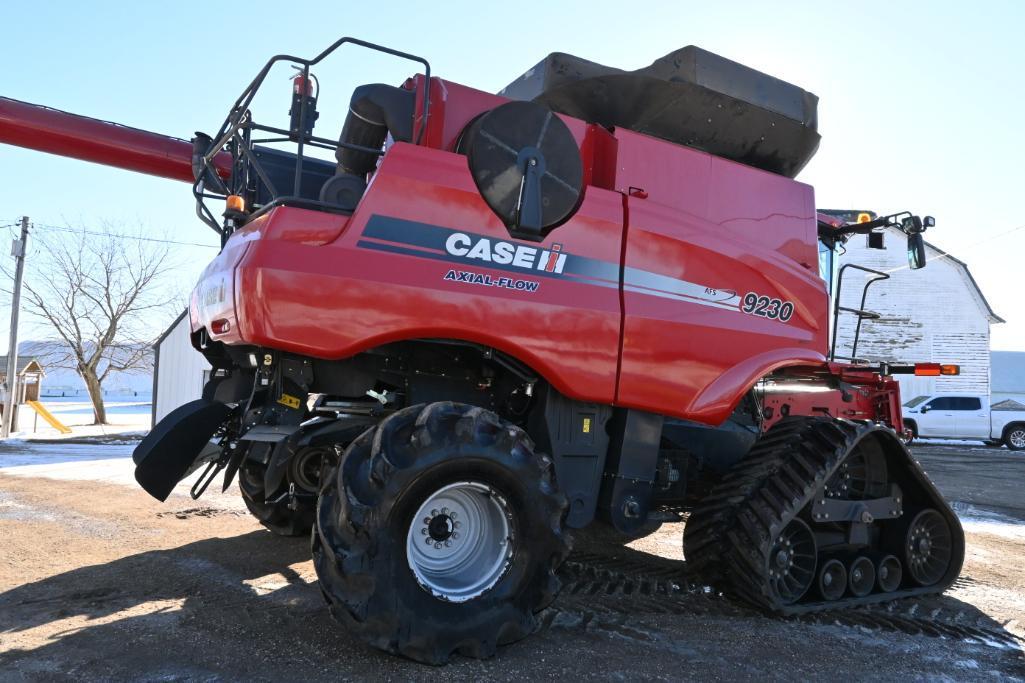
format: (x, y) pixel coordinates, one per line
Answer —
(100, 582)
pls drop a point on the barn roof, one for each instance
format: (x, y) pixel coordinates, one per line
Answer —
(993, 317)
(962, 267)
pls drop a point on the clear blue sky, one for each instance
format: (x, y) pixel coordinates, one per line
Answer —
(920, 102)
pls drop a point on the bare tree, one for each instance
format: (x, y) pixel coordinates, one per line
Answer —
(97, 292)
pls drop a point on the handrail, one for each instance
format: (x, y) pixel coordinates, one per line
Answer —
(240, 119)
(861, 313)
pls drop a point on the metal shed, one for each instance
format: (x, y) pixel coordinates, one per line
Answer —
(179, 371)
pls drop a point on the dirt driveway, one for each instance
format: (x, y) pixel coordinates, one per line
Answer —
(100, 582)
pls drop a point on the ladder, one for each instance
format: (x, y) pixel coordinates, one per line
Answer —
(861, 313)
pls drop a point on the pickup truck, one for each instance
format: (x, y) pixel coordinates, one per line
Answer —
(966, 416)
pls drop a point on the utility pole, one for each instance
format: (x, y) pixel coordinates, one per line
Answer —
(11, 381)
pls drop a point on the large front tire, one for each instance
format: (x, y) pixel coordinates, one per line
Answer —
(470, 587)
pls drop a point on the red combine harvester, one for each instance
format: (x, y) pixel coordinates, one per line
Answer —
(596, 298)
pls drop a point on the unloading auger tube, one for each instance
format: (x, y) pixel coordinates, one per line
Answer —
(825, 513)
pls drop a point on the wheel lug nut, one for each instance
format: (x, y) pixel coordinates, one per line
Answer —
(437, 546)
(423, 531)
(434, 513)
(453, 514)
(448, 544)
(458, 524)
(455, 534)
(444, 511)
(427, 520)
(428, 541)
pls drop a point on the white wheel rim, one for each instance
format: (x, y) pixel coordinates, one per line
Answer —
(459, 542)
(1017, 438)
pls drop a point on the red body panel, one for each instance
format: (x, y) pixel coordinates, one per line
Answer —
(102, 142)
(337, 299)
(695, 248)
(641, 299)
(658, 327)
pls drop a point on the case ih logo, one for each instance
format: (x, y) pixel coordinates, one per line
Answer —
(506, 253)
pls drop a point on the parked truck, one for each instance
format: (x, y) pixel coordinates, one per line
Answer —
(594, 298)
(966, 416)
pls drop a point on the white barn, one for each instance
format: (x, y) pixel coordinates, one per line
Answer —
(934, 314)
(179, 371)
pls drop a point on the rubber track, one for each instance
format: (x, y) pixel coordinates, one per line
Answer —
(737, 523)
(704, 536)
(595, 584)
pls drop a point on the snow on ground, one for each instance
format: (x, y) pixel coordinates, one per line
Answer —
(973, 444)
(976, 520)
(127, 417)
(107, 461)
(110, 463)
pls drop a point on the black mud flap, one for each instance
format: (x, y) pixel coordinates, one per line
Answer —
(169, 451)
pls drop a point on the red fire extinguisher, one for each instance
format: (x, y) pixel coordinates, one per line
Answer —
(303, 113)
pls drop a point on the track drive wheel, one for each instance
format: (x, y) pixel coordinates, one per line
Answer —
(820, 501)
(440, 532)
(273, 510)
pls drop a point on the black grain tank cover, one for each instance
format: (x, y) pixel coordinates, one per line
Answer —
(690, 97)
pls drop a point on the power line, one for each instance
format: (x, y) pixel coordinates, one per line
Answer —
(57, 228)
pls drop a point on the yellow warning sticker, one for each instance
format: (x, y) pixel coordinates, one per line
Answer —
(288, 400)
(587, 425)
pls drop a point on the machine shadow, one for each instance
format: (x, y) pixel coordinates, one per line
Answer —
(174, 613)
(235, 595)
(943, 615)
(188, 572)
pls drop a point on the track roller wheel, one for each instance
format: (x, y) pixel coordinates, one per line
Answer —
(861, 577)
(927, 547)
(800, 473)
(888, 574)
(832, 580)
(440, 532)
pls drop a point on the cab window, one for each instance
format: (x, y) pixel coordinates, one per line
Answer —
(915, 401)
(826, 265)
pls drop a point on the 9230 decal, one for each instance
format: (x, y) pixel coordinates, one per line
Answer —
(767, 307)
